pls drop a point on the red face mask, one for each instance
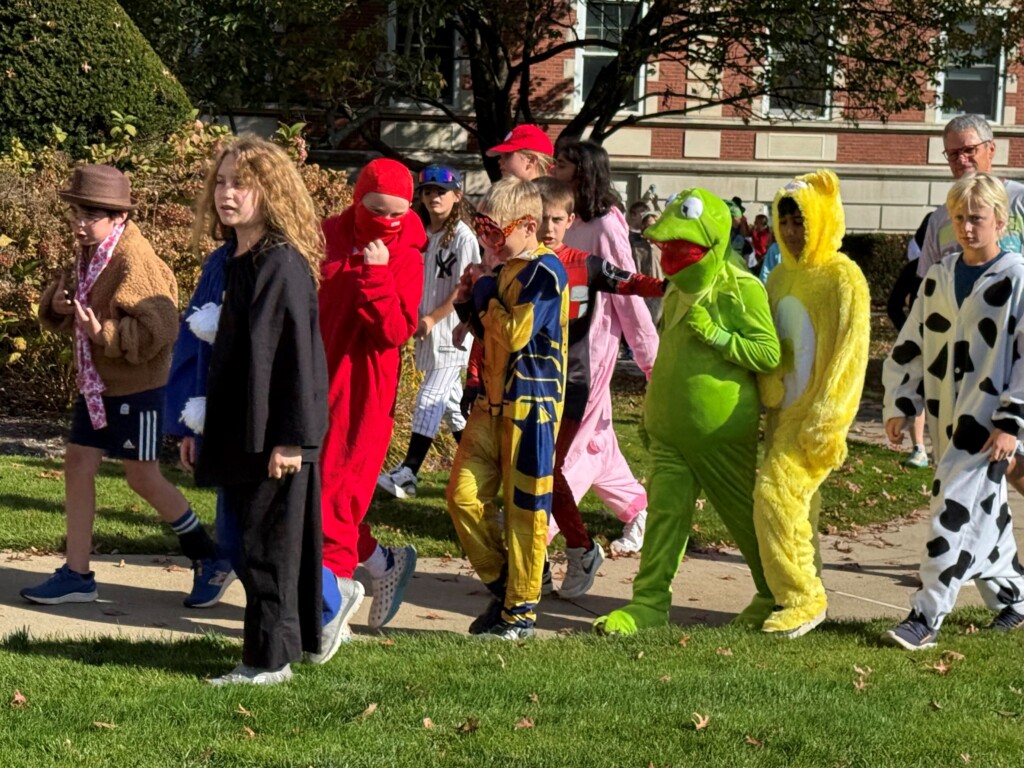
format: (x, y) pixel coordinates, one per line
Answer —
(677, 255)
(370, 227)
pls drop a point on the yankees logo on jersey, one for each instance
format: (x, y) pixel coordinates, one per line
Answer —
(444, 263)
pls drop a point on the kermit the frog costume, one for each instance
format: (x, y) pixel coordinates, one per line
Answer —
(821, 305)
(702, 408)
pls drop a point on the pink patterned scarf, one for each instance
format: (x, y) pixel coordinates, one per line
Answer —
(88, 378)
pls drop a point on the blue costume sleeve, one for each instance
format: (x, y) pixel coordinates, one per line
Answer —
(190, 362)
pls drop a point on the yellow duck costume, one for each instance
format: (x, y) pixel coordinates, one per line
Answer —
(821, 306)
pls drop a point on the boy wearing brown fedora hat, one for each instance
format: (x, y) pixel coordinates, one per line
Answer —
(121, 308)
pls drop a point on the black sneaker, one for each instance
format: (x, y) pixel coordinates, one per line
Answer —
(521, 630)
(1007, 621)
(487, 619)
(912, 633)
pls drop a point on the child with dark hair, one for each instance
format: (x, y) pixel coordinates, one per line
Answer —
(594, 459)
(121, 308)
(451, 247)
(588, 276)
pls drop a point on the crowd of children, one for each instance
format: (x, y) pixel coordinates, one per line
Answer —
(281, 383)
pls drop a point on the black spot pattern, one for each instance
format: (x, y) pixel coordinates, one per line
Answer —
(993, 555)
(937, 546)
(1011, 325)
(1008, 594)
(997, 470)
(1016, 353)
(929, 286)
(958, 570)
(920, 388)
(962, 363)
(906, 406)
(906, 378)
(987, 329)
(1013, 409)
(938, 366)
(999, 293)
(1004, 517)
(905, 352)
(955, 516)
(933, 407)
(988, 503)
(970, 435)
(988, 387)
(949, 431)
(1017, 567)
(936, 486)
(937, 323)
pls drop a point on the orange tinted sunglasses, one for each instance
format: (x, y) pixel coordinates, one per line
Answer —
(490, 233)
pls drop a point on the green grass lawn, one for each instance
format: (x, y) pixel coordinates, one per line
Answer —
(833, 698)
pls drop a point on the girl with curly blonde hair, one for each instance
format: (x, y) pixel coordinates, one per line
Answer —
(266, 399)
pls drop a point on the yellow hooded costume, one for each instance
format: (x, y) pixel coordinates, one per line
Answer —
(821, 306)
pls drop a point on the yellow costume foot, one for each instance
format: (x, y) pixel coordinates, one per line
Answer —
(630, 620)
(755, 614)
(792, 622)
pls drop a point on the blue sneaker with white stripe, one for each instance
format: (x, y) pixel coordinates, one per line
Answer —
(210, 580)
(64, 586)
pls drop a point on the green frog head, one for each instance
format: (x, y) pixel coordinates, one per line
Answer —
(693, 234)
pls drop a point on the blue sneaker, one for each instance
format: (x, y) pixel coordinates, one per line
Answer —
(389, 589)
(912, 633)
(210, 580)
(65, 586)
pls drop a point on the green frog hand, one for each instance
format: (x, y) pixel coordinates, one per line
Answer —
(702, 324)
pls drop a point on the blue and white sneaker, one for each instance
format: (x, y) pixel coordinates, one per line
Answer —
(65, 586)
(913, 633)
(210, 580)
(389, 589)
(337, 631)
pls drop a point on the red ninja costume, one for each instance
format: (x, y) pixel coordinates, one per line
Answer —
(367, 312)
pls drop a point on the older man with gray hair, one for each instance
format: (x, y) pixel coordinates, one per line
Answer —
(970, 148)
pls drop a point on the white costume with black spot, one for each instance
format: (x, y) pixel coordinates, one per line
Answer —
(963, 365)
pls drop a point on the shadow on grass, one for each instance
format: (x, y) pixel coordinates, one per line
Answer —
(199, 657)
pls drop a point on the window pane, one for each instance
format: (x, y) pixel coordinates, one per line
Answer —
(796, 90)
(975, 89)
(606, 21)
(441, 48)
(592, 65)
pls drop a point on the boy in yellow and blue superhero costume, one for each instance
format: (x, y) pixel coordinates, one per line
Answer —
(701, 411)
(517, 304)
(820, 302)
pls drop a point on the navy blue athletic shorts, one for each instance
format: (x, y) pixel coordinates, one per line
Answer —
(134, 426)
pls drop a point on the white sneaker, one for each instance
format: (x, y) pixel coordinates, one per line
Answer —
(245, 674)
(389, 589)
(400, 482)
(918, 458)
(632, 535)
(581, 570)
(337, 630)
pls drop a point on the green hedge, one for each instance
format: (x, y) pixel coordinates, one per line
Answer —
(72, 64)
(881, 257)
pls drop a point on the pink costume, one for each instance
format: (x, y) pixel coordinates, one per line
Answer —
(594, 460)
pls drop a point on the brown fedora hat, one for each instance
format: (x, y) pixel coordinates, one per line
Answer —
(100, 186)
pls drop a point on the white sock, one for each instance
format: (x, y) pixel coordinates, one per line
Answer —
(377, 563)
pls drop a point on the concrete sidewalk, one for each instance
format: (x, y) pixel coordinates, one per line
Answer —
(867, 575)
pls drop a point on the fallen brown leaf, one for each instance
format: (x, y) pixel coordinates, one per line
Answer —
(965, 757)
(953, 656)
(534, 698)
(640, 655)
(525, 722)
(502, 660)
(120, 564)
(108, 726)
(664, 678)
(428, 723)
(472, 725)
(683, 640)
(971, 630)
(700, 722)
(249, 732)
(940, 667)
(1018, 691)
(387, 641)
(113, 612)
(243, 711)
(724, 652)
(175, 568)
(18, 700)
(936, 705)
(753, 742)
(431, 616)
(370, 709)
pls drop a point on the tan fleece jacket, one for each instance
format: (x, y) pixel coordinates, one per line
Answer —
(135, 299)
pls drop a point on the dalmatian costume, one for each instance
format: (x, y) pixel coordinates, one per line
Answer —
(964, 366)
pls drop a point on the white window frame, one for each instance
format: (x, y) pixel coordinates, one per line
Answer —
(455, 84)
(581, 32)
(770, 113)
(942, 115)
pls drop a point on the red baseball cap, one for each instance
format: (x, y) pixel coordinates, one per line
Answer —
(526, 136)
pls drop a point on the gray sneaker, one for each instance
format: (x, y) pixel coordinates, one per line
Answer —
(337, 631)
(246, 675)
(581, 570)
(400, 482)
(511, 632)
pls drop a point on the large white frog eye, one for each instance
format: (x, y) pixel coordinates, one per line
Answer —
(796, 185)
(692, 208)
